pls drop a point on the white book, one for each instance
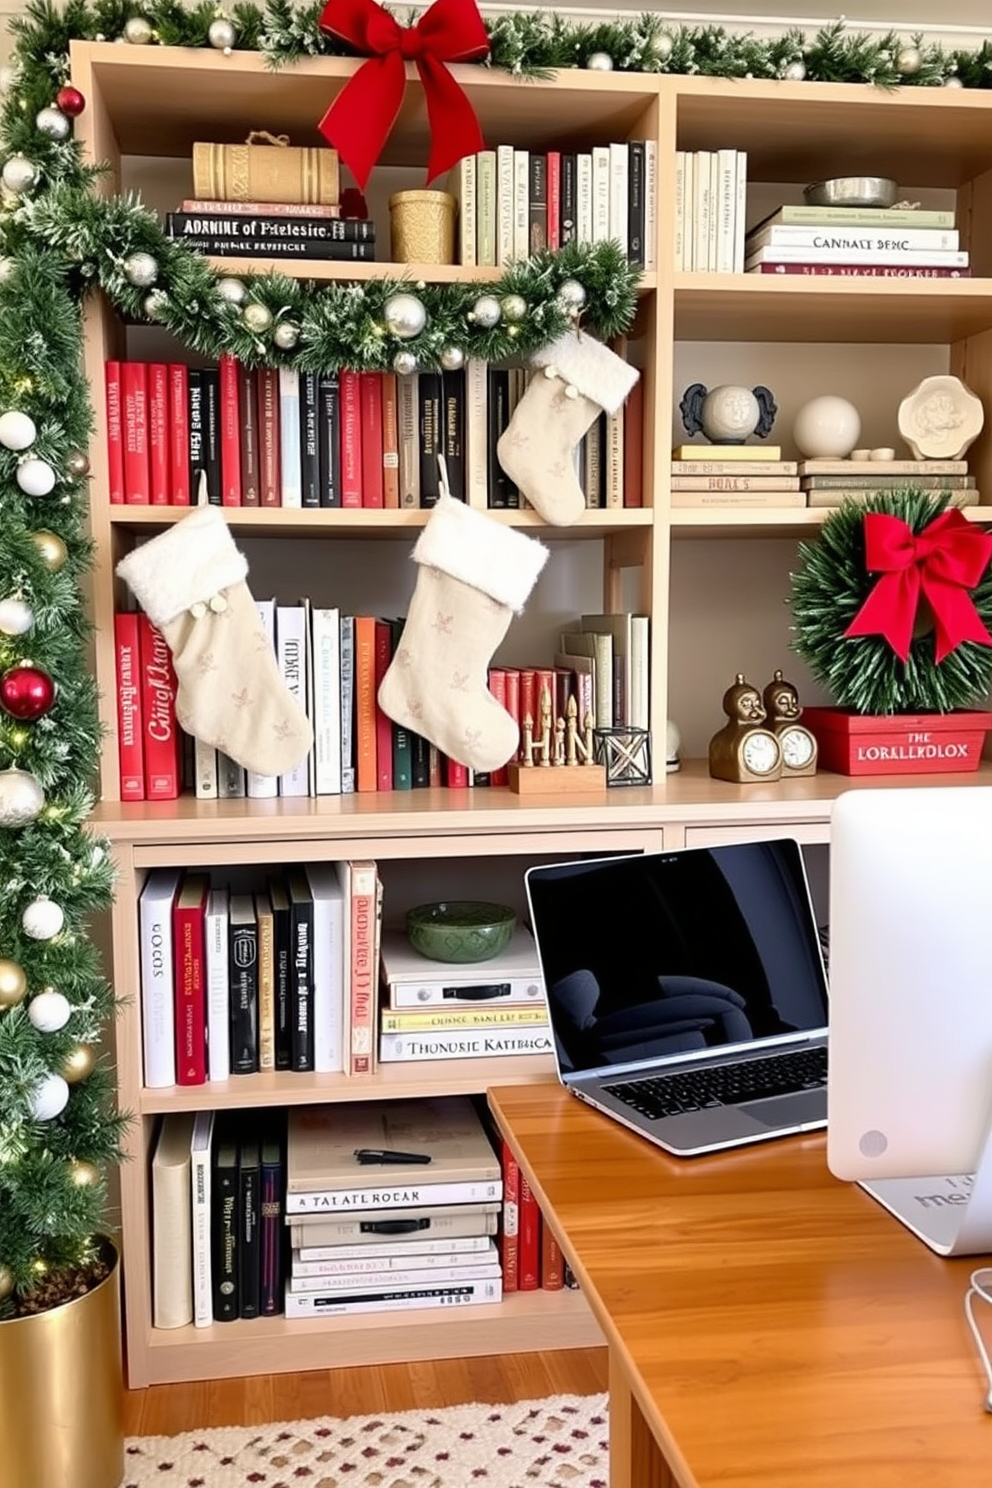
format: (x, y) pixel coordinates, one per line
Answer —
(325, 650)
(619, 194)
(651, 204)
(260, 787)
(521, 204)
(504, 205)
(679, 210)
(204, 771)
(347, 704)
(390, 1255)
(408, 435)
(345, 1286)
(201, 1143)
(640, 680)
(311, 759)
(291, 653)
(865, 239)
(617, 626)
(462, 1043)
(689, 205)
(230, 777)
(701, 211)
(614, 457)
(365, 1227)
(391, 1195)
(916, 258)
(217, 986)
(726, 209)
(290, 451)
(328, 966)
(477, 433)
(158, 1029)
(711, 241)
(172, 1265)
(740, 216)
(452, 1294)
(461, 185)
(583, 197)
(600, 193)
(485, 208)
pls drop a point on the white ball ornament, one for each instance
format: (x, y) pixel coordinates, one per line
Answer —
(154, 304)
(664, 46)
(795, 72)
(49, 1098)
(18, 173)
(452, 357)
(49, 1011)
(21, 798)
(486, 312)
(599, 62)
(221, 35)
(35, 477)
(16, 617)
(571, 296)
(827, 428)
(138, 31)
(232, 290)
(53, 123)
(17, 430)
(908, 61)
(257, 317)
(953, 82)
(286, 335)
(405, 316)
(7, 267)
(141, 270)
(405, 363)
(43, 918)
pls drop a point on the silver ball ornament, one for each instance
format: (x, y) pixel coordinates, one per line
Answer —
(953, 82)
(18, 173)
(154, 304)
(141, 270)
(43, 918)
(17, 430)
(257, 317)
(232, 290)
(221, 34)
(16, 617)
(486, 312)
(405, 363)
(572, 296)
(513, 306)
(7, 267)
(909, 61)
(405, 316)
(49, 1011)
(664, 46)
(599, 62)
(49, 1098)
(53, 123)
(452, 357)
(138, 31)
(286, 335)
(795, 72)
(78, 465)
(21, 798)
(35, 477)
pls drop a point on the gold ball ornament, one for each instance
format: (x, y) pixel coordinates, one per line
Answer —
(6, 1282)
(13, 983)
(79, 1064)
(84, 1174)
(51, 549)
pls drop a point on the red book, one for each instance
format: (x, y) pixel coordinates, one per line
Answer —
(189, 979)
(268, 437)
(115, 433)
(160, 735)
(351, 438)
(130, 750)
(509, 1229)
(529, 1243)
(455, 774)
(248, 407)
(390, 442)
(158, 433)
(554, 199)
(633, 446)
(366, 775)
(134, 422)
(552, 1260)
(179, 434)
(497, 686)
(383, 723)
(230, 432)
(512, 704)
(864, 271)
(370, 402)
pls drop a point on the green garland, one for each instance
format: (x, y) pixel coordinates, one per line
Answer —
(863, 673)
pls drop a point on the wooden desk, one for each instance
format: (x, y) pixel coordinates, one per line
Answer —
(768, 1326)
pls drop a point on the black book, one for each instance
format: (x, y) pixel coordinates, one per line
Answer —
(263, 230)
(196, 418)
(329, 438)
(243, 975)
(502, 492)
(568, 201)
(453, 430)
(224, 1220)
(420, 761)
(537, 203)
(301, 969)
(429, 435)
(273, 1219)
(248, 416)
(210, 381)
(249, 1248)
(219, 245)
(402, 738)
(283, 937)
(635, 203)
(309, 445)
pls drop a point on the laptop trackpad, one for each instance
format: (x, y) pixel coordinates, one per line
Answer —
(790, 1110)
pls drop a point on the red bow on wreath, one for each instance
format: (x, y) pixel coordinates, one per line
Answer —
(358, 122)
(940, 564)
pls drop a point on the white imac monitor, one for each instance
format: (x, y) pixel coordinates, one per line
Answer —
(909, 1092)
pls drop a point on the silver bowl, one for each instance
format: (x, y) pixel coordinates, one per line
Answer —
(853, 191)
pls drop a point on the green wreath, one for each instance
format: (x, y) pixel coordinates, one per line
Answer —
(863, 673)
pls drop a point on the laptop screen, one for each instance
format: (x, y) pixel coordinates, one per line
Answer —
(672, 953)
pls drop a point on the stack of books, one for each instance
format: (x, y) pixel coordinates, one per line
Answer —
(886, 243)
(734, 475)
(830, 482)
(710, 199)
(391, 1207)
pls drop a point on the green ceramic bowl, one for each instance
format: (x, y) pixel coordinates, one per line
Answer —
(460, 929)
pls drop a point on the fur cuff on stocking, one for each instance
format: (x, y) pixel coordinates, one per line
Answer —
(585, 363)
(482, 553)
(185, 565)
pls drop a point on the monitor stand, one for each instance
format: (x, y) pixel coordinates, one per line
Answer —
(951, 1214)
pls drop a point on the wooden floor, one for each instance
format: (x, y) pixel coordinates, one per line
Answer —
(165, 1410)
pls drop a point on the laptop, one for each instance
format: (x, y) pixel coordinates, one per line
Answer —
(686, 991)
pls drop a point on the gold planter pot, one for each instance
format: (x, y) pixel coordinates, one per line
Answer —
(62, 1393)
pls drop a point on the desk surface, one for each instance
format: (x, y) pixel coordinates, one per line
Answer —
(776, 1327)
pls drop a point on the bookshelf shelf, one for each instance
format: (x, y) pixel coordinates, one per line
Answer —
(348, 273)
(365, 523)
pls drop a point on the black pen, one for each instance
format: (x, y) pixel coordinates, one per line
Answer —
(369, 1155)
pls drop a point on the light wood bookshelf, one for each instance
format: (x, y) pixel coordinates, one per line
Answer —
(153, 102)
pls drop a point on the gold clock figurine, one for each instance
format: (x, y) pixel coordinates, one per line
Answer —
(745, 750)
(799, 748)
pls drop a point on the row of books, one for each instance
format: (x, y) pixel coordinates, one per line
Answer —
(710, 203)
(904, 241)
(277, 437)
(219, 229)
(733, 479)
(314, 1213)
(513, 203)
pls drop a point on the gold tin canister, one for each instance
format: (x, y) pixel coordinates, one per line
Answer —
(422, 227)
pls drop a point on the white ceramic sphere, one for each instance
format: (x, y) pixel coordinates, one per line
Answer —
(49, 1098)
(17, 430)
(729, 413)
(827, 428)
(42, 919)
(49, 1011)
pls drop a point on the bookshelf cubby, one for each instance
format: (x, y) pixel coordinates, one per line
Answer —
(714, 582)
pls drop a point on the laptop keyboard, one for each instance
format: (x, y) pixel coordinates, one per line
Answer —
(724, 1084)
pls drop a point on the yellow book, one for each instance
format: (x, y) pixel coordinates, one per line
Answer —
(727, 452)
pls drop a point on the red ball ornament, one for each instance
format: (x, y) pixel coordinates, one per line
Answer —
(70, 101)
(26, 693)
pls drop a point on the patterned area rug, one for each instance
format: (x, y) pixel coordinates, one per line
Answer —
(560, 1442)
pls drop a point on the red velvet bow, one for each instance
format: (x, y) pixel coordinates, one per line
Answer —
(358, 122)
(941, 563)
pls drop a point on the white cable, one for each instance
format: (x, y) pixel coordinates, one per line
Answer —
(980, 1285)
